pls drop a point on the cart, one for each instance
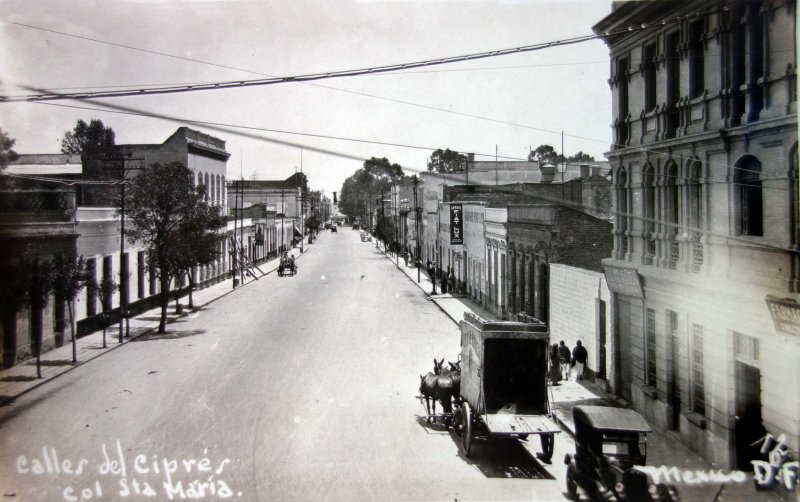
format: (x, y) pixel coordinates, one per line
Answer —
(287, 267)
(504, 383)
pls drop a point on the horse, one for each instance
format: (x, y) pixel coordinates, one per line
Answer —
(440, 385)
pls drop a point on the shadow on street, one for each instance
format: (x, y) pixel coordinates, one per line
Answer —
(170, 335)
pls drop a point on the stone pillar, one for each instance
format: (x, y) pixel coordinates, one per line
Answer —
(511, 284)
(529, 285)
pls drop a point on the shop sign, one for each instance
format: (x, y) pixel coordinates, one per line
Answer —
(785, 314)
(456, 224)
(624, 281)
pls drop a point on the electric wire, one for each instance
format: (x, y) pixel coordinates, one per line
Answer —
(314, 76)
(643, 26)
(231, 129)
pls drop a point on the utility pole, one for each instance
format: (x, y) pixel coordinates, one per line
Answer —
(416, 228)
(241, 230)
(123, 265)
(232, 240)
(283, 211)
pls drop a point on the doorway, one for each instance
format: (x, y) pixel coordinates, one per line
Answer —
(749, 426)
(601, 335)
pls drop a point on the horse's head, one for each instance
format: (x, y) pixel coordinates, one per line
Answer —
(437, 366)
(455, 367)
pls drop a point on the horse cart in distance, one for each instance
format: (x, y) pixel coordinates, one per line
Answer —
(287, 266)
(504, 383)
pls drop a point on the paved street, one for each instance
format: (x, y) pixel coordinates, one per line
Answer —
(294, 388)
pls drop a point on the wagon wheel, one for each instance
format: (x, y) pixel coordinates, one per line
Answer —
(548, 440)
(572, 486)
(466, 438)
(458, 420)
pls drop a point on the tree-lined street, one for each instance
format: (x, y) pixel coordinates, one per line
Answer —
(296, 381)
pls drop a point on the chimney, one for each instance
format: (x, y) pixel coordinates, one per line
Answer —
(596, 171)
(548, 172)
(470, 157)
(584, 171)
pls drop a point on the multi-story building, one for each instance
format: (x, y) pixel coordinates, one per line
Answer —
(37, 220)
(705, 271)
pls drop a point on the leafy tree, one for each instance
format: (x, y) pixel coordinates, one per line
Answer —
(105, 291)
(447, 161)
(87, 137)
(544, 154)
(360, 190)
(164, 207)
(580, 157)
(196, 243)
(6, 153)
(36, 275)
(70, 275)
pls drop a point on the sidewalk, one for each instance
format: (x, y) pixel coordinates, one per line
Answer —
(663, 448)
(21, 378)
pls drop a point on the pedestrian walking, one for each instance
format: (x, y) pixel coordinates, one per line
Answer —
(443, 281)
(564, 359)
(579, 357)
(451, 281)
(554, 374)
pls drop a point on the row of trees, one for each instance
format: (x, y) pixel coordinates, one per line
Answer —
(33, 279)
(166, 214)
(450, 161)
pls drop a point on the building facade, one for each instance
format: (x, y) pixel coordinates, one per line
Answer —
(37, 222)
(496, 261)
(541, 234)
(705, 271)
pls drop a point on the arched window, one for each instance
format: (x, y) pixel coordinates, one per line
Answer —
(648, 184)
(622, 215)
(211, 189)
(205, 182)
(750, 201)
(695, 213)
(218, 192)
(672, 213)
(695, 198)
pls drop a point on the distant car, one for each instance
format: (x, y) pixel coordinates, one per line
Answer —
(334, 229)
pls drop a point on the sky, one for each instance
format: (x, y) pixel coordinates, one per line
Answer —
(504, 105)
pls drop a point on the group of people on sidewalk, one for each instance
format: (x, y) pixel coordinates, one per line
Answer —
(563, 362)
(447, 280)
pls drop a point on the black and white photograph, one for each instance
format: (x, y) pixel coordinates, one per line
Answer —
(399, 250)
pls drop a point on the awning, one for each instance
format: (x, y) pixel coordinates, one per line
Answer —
(297, 232)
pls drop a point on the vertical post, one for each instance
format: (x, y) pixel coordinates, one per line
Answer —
(241, 231)
(417, 257)
(123, 304)
(232, 240)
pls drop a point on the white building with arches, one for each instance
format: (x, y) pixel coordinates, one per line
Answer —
(705, 272)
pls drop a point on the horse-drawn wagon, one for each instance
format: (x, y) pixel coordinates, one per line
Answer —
(287, 266)
(503, 387)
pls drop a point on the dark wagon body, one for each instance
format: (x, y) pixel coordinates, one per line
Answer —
(504, 382)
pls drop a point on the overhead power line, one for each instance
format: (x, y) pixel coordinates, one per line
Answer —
(232, 129)
(306, 77)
